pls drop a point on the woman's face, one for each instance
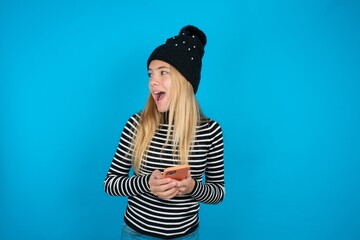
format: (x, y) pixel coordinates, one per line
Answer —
(160, 84)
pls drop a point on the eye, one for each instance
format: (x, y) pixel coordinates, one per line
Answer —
(150, 74)
(164, 72)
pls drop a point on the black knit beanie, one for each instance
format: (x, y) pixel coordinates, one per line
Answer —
(184, 52)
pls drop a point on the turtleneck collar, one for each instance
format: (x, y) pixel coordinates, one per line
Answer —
(165, 117)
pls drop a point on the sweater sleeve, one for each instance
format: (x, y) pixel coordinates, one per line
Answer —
(212, 191)
(117, 181)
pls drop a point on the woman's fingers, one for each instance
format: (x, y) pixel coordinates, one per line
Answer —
(162, 187)
(186, 185)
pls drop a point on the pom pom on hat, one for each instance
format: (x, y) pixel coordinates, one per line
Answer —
(184, 52)
(192, 30)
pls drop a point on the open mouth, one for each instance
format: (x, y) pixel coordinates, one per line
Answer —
(159, 95)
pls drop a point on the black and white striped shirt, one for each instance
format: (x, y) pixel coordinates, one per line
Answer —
(171, 218)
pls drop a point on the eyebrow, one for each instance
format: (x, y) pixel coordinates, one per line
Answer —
(161, 67)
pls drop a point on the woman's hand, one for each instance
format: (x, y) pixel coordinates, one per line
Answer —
(165, 188)
(186, 185)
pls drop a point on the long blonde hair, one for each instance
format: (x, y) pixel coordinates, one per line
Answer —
(183, 116)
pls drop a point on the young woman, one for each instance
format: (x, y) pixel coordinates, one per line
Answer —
(170, 131)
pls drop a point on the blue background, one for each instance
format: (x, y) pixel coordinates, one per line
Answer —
(281, 77)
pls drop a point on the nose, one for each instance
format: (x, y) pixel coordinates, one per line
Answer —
(154, 81)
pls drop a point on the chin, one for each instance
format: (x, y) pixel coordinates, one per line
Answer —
(162, 109)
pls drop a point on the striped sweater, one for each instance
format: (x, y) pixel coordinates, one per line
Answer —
(171, 218)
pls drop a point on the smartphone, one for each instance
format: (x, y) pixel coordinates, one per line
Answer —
(177, 172)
